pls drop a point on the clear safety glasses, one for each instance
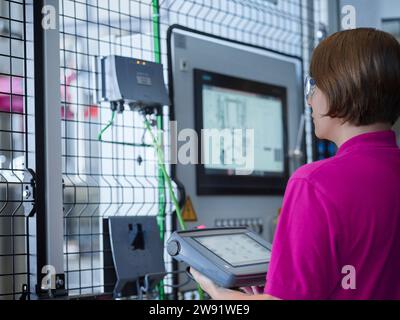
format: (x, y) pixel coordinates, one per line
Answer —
(309, 87)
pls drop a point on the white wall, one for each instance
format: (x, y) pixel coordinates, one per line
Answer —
(370, 13)
(389, 8)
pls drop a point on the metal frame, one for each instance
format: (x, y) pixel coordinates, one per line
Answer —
(46, 240)
(333, 16)
(308, 36)
(52, 125)
(171, 80)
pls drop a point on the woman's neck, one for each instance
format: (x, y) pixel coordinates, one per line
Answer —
(347, 131)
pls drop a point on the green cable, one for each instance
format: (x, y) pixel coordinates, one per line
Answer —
(157, 58)
(156, 30)
(161, 188)
(109, 124)
(161, 181)
(160, 160)
(161, 210)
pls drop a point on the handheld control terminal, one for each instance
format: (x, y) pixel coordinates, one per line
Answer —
(231, 257)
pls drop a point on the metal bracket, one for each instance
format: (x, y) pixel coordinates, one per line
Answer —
(57, 291)
(146, 288)
(29, 193)
(60, 290)
(25, 294)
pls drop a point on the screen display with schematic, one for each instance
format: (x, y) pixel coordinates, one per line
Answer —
(234, 107)
(231, 257)
(236, 249)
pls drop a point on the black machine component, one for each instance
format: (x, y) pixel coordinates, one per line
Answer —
(231, 257)
(227, 104)
(136, 83)
(29, 192)
(133, 252)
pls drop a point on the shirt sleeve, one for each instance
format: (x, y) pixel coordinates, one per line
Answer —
(304, 263)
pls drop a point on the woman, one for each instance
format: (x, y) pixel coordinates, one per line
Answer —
(339, 232)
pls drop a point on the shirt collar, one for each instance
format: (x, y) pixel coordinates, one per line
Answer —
(372, 139)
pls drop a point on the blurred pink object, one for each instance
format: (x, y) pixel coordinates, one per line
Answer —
(11, 92)
(201, 227)
(66, 112)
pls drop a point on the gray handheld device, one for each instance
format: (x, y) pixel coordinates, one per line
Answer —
(231, 257)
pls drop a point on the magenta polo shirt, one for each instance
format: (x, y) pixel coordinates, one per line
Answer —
(344, 211)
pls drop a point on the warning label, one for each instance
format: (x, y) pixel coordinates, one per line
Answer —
(188, 212)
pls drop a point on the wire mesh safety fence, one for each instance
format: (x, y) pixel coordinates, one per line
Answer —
(119, 175)
(16, 142)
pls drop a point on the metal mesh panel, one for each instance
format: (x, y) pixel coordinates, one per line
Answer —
(16, 142)
(119, 176)
(275, 26)
(115, 177)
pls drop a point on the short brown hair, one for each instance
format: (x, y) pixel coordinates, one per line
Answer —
(359, 72)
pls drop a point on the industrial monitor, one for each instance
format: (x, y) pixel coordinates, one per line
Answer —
(243, 136)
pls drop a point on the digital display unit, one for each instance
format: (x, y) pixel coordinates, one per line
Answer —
(236, 249)
(231, 257)
(243, 135)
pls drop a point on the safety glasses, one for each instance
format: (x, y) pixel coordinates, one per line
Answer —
(309, 87)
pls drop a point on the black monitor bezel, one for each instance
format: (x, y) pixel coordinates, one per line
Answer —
(221, 184)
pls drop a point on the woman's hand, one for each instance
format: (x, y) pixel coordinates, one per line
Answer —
(205, 283)
(253, 290)
(218, 293)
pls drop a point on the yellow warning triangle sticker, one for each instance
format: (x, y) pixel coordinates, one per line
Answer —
(188, 213)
